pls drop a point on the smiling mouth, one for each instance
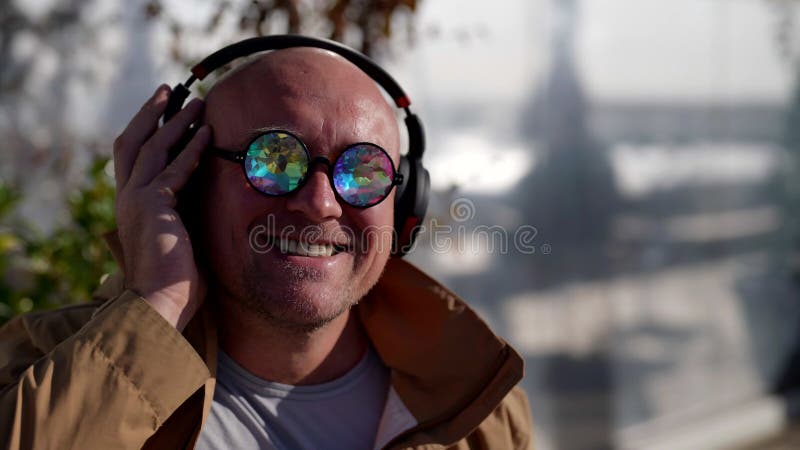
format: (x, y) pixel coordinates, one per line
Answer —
(297, 248)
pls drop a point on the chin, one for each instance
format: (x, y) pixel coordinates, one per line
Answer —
(298, 307)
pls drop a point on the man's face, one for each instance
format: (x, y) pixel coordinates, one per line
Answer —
(329, 104)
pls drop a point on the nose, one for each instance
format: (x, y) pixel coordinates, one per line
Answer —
(315, 199)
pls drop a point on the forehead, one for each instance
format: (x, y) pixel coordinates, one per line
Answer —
(320, 96)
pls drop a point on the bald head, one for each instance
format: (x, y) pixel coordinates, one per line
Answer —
(292, 83)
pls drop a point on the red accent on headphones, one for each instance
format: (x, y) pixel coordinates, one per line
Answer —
(199, 71)
(408, 228)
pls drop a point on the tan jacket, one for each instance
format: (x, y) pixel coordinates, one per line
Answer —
(114, 374)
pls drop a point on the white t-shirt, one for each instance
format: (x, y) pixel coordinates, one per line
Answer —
(251, 413)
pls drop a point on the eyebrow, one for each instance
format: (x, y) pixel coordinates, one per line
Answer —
(255, 132)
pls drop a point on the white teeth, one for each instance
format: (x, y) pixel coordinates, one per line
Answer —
(304, 248)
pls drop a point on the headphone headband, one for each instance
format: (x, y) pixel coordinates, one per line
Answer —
(411, 197)
(223, 56)
(283, 41)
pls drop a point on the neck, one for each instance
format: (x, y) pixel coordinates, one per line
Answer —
(291, 356)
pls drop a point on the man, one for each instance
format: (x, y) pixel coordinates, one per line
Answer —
(316, 341)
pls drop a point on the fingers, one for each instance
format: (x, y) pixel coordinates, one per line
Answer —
(174, 177)
(140, 128)
(152, 157)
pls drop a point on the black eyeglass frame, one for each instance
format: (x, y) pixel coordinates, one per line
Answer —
(241, 155)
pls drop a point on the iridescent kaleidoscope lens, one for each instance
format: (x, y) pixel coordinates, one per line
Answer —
(363, 175)
(276, 163)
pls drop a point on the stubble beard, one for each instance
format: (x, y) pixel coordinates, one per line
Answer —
(289, 306)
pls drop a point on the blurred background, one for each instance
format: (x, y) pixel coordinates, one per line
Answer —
(615, 184)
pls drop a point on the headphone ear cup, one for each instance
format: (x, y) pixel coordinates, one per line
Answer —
(178, 95)
(420, 204)
(174, 104)
(404, 170)
(411, 202)
(422, 192)
(401, 205)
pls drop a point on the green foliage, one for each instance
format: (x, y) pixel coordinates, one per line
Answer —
(39, 271)
(363, 24)
(45, 271)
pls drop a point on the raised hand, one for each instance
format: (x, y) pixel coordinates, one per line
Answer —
(158, 257)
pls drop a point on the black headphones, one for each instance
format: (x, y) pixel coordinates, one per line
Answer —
(411, 198)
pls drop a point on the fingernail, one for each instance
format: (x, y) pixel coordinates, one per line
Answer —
(163, 87)
(195, 102)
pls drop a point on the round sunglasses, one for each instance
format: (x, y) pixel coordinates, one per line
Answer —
(277, 163)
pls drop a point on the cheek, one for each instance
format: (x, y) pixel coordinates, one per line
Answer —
(227, 188)
(381, 214)
(225, 207)
(241, 217)
(377, 226)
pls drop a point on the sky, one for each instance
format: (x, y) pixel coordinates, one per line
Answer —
(499, 52)
(626, 50)
(678, 51)
(695, 49)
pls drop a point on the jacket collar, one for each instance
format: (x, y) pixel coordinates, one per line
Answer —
(449, 370)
